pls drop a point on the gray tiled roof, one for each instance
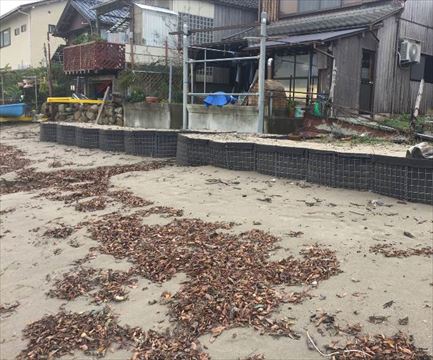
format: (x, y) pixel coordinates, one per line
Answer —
(251, 4)
(335, 20)
(86, 7)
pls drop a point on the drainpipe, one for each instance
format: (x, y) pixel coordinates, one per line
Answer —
(29, 26)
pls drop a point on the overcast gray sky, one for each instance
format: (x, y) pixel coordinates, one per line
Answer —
(7, 5)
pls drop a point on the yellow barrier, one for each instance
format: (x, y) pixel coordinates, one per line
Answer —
(69, 100)
(4, 119)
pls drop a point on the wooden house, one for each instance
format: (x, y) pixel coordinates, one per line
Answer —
(104, 37)
(373, 53)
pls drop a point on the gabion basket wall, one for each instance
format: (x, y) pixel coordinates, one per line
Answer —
(353, 171)
(66, 134)
(240, 156)
(291, 163)
(140, 142)
(112, 140)
(420, 181)
(265, 159)
(165, 144)
(217, 152)
(401, 178)
(321, 167)
(48, 132)
(87, 137)
(390, 176)
(182, 151)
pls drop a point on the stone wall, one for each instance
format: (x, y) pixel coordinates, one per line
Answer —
(86, 113)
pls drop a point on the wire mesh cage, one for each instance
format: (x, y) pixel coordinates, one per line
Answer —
(48, 132)
(420, 181)
(390, 176)
(353, 171)
(87, 137)
(240, 156)
(265, 159)
(66, 134)
(321, 167)
(112, 140)
(140, 142)
(217, 154)
(165, 144)
(291, 163)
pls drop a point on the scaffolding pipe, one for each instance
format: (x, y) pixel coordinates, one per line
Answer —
(192, 81)
(205, 71)
(185, 77)
(262, 69)
(225, 59)
(170, 83)
(228, 94)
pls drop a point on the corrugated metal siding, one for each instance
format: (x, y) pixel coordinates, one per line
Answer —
(225, 15)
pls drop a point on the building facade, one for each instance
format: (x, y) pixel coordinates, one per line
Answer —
(143, 31)
(368, 56)
(24, 31)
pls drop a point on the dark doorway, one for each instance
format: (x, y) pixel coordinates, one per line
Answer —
(367, 81)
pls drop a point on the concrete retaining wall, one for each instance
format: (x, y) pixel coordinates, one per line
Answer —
(153, 116)
(227, 118)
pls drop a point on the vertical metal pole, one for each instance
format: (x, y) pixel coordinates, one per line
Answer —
(3, 91)
(185, 76)
(170, 82)
(205, 71)
(332, 87)
(192, 82)
(262, 69)
(36, 92)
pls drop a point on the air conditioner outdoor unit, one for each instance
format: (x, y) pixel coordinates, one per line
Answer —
(410, 51)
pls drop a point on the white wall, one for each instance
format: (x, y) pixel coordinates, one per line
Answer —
(27, 49)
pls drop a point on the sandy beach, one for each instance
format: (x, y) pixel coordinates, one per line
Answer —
(377, 292)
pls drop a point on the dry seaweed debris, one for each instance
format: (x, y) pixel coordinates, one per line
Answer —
(390, 251)
(82, 183)
(397, 347)
(101, 285)
(96, 332)
(164, 211)
(60, 232)
(128, 199)
(231, 280)
(95, 204)
(7, 309)
(11, 159)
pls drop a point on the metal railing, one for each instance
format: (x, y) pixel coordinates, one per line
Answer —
(187, 63)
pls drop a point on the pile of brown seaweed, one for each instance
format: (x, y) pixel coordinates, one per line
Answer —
(60, 232)
(397, 347)
(97, 332)
(11, 159)
(101, 285)
(390, 251)
(231, 280)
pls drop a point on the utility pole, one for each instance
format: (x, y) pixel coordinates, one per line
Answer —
(185, 76)
(262, 68)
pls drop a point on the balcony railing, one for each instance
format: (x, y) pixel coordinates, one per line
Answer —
(93, 57)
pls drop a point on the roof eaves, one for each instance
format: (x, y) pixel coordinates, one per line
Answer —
(26, 6)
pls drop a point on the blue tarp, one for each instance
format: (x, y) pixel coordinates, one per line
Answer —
(219, 98)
